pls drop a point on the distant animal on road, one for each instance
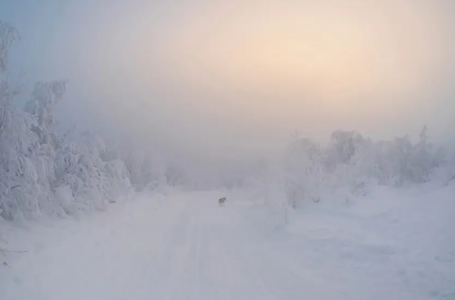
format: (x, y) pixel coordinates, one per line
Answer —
(221, 201)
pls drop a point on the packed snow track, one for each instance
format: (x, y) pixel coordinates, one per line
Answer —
(187, 247)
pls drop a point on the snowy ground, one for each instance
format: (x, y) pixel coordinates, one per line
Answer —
(395, 245)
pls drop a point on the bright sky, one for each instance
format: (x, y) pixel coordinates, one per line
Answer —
(233, 78)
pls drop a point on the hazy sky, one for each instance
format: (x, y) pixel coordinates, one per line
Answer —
(235, 78)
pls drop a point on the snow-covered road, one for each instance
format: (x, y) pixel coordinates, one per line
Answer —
(187, 247)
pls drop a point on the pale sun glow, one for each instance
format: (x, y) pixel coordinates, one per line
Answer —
(345, 50)
(270, 67)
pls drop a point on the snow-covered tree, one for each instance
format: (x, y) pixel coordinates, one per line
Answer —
(8, 35)
(45, 97)
(302, 171)
(18, 146)
(344, 145)
(81, 170)
(422, 158)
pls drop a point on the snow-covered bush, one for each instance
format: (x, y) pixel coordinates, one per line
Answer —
(117, 184)
(19, 177)
(93, 182)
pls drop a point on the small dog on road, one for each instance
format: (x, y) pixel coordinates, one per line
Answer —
(221, 201)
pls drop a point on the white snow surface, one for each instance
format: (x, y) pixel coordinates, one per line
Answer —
(394, 244)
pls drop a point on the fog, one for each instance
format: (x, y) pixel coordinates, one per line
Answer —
(211, 80)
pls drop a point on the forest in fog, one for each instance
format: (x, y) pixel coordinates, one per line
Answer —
(45, 172)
